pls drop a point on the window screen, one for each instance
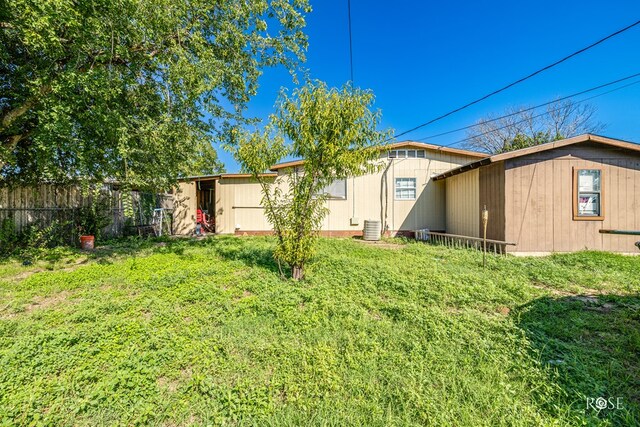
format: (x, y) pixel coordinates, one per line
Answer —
(406, 154)
(336, 190)
(588, 197)
(405, 188)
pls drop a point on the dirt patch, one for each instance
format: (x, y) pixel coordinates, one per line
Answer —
(168, 384)
(374, 315)
(380, 244)
(245, 294)
(504, 310)
(21, 276)
(46, 302)
(583, 291)
(38, 303)
(70, 267)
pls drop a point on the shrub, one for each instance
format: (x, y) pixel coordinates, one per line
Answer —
(9, 237)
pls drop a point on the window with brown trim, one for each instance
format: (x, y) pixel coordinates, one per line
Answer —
(588, 191)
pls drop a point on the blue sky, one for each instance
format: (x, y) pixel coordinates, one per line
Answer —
(422, 59)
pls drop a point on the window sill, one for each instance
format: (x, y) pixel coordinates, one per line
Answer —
(588, 218)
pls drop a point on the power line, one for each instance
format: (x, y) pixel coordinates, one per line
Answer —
(495, 92)
(531, 108)
(350, 41)
(539, 115)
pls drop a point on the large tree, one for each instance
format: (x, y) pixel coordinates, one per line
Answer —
(133, 90)
(335, 132)
(522, 127)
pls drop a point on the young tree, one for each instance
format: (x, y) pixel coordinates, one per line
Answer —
(133, 90)
(335, 132)
(520, 129)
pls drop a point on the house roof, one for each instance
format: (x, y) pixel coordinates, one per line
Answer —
(395, 145)
(225, 176)
(617, 143)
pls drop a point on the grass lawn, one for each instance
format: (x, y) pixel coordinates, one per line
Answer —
(205, 333)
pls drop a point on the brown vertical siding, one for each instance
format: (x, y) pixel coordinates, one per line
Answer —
(492, 195)
(539, 200)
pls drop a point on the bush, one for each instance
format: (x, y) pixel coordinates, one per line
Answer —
(57, 233)
(9, 238)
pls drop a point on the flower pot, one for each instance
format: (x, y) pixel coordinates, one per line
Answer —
(87, 243)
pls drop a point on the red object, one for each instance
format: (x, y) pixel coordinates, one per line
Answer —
(87, 243)
(199, 216)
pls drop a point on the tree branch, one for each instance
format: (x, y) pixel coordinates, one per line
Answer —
(12, 115)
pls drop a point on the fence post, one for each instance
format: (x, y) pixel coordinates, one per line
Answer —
(485, 220)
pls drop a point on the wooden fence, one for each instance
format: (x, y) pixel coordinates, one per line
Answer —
(46, 204)
(497, 247)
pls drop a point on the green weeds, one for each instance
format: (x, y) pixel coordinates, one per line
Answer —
(179, 332)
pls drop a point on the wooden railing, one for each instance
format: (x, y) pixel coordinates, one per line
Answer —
(498, 247)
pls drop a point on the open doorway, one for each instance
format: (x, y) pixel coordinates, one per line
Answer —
(205, 199)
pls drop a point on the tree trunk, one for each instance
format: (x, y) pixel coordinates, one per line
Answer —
(297, 272)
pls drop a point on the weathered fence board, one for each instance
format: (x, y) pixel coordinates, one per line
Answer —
(42, 205)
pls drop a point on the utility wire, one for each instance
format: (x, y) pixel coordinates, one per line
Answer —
(495, 92)
(539, 115)
(350, 41)
(531, 108)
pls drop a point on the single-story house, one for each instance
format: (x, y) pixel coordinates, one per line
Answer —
(557, 197)
(403, 196)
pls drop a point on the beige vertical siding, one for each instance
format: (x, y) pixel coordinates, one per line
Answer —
(184, 214)
(372, 196)
(462, 204)
(247, 207)
(539, 200)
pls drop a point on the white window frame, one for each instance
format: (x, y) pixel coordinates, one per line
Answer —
(407, 154)
(414, 188)
(333, 197)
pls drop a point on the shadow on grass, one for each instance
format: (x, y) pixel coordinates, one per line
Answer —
(591, 345)
(106, 252)
(253, 253)
(256, 252)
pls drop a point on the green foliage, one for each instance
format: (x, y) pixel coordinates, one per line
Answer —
(58, 232)
(335, 132)
(524, 141)
(132, 90)
(55, 233)
(94, 217)
(206, 333)
(9, 237)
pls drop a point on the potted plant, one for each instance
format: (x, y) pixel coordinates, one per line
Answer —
(93, 218)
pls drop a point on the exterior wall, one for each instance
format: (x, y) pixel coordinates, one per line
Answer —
(539, 200)
(238, 206)
(462, 204)
(372, 196)
(185, 205)
(492, 195)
